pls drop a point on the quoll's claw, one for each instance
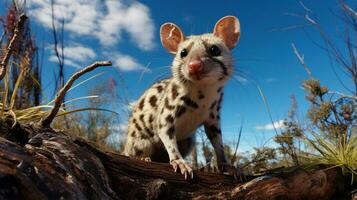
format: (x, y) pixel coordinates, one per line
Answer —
(185, 168)
(236, 172)
(147, 159)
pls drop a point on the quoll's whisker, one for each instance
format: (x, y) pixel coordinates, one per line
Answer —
(162, 76)
(171, 110)
(162, 67)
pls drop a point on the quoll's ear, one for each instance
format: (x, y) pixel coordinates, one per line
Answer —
(171, 36)
(228, 29)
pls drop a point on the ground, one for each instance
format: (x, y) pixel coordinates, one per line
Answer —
(40, 163)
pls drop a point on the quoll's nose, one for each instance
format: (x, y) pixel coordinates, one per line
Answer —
(195, 67)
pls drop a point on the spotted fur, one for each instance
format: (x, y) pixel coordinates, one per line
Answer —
(163, 123)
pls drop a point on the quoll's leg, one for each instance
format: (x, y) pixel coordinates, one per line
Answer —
(168, 138)
(214, 134)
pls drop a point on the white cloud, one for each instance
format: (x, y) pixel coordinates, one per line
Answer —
(75, 55)
(67, 62)
(140, 25)
(79, 53)
(105, 22)
(120, 128)
(126, 63)
(278, 125)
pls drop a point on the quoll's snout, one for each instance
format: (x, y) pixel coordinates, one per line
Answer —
(195, 67)
(190, 98)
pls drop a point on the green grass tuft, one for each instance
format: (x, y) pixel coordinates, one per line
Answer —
(342, 154)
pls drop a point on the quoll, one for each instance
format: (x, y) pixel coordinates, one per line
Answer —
(163, 122)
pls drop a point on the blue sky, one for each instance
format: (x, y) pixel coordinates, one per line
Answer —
(127, 32)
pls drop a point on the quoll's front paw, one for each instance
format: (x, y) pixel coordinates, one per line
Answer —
(231, 170)
(184, 167)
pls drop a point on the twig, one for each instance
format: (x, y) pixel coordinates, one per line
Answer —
(350, 11)
(266, 105)
(60, 56)
(15, 5)
(2, 37)
(238, 141)
(302, 61)
(46, 122)
(343, 96)
(10, 46)
(305, 7)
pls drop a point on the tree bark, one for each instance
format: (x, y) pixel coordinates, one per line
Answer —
(38, 163)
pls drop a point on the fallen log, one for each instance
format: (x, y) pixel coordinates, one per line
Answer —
(48, 164)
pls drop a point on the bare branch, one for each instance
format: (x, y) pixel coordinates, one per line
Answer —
(10, 46)
(59, 55)
(46, 122)
(16, 6)
(348, 9)
(348, 62)
(54, 31)
(305, 7)
(2, 37)
(343, 96)
(302, 61)
(309, 19)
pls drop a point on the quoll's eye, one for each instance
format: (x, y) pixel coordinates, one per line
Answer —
(183, 53)
(214, 50)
